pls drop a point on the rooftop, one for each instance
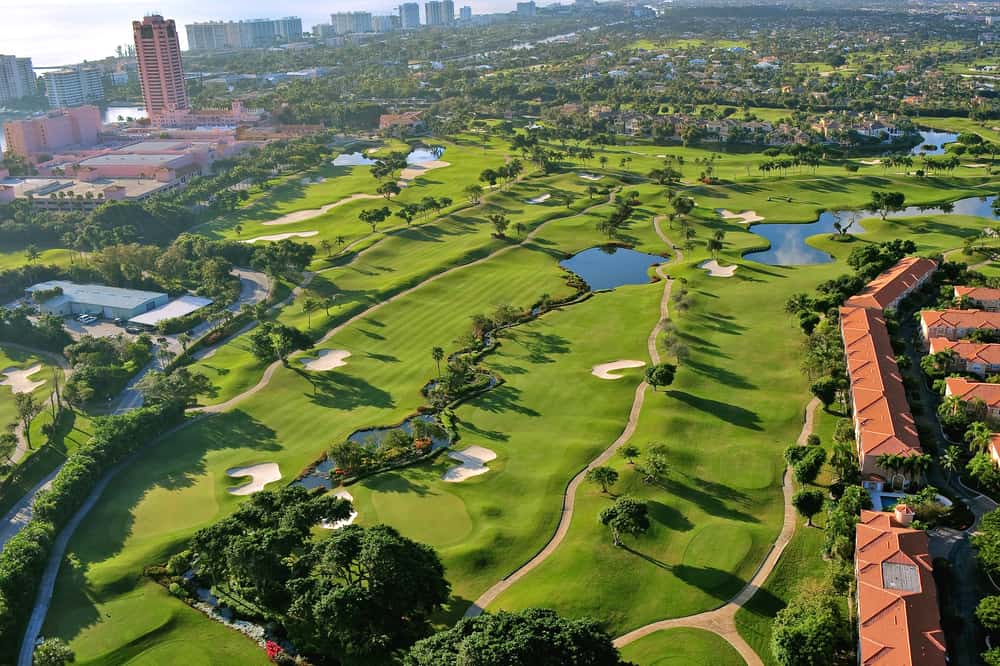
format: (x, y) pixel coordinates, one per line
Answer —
(966, 390)
(881, 411)
(98, 294)
(972, 352)
(961, 318)
(978, 293)
(132, 159)
(893, 283)
(178, 307)
(898, 619)
(44, 187)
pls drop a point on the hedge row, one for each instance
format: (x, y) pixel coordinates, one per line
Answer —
(24, 557)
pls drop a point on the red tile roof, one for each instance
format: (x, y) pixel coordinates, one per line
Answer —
(961, 318)
(970, 352)
(966, 390)
(978, 293)
(893, 283)
(881, 410)
(899, 622)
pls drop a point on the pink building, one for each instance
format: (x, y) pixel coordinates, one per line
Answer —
(161, 76)
(75, 127)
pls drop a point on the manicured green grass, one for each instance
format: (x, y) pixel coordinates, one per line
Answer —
(232, 369)
(682, 647)
(15, 358)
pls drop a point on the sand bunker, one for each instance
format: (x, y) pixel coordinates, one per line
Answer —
(17, 379)
(473, 463)
(589, 176)
(410, 173)
(871, 162)
(608, 370)
(302, 215)
(976, 165)
(278, 237)
(715, 270)
(326, 359)
(746, 217)
(260, 475)
(337, 524)
(540, 198)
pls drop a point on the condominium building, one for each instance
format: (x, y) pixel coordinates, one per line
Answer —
(465, 13)
(409, 15)
(956, 324)
(249, 34)
(893, 285)
(17, 78)
(161, 75)
(56, 130)
(347, 23)
(983, 298)
(385, 23)
(526, 9)
(74, 86)
(439, 12)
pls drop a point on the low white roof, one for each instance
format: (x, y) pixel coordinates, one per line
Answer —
(178, 307)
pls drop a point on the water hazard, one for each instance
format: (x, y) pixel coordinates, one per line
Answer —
(610, 267)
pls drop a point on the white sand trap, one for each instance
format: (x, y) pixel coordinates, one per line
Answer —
(871, 162)
(540, 198)
(473, 461)
(410, 173)
(746, 217)
(976, 165)
(715, 270)
(278, 237)
(302, 215)
(589, 176)
(326, 359)
(17, 379)
(337, 524)
(608, 370)
(260, 475)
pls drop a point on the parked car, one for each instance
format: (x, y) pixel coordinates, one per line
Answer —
(134, 330)
(87, 319)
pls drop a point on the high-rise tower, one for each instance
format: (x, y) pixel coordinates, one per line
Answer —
(160, 73)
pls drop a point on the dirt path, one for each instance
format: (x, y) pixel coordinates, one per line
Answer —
(569, 496)
(722, 621)
(271, 369)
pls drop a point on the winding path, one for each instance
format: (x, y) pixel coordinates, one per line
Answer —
(722, 620)
(569, 495)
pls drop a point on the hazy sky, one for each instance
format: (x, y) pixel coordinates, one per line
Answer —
(56, 32)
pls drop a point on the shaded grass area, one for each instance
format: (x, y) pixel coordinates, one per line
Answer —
(682, 647)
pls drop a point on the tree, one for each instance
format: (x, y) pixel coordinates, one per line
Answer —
(808, 502)
(714, 246)
(950, 460)
(532, 637)
(977, 436)
(437, 353)
(52, 652)
(808, 631)
(388, 189)
(326, 245)
(185, 340)
(661, 374)
(182, 386)
(629, 452)
(602, 476)
(809, 465)
(27, 409)
(988, 612)
(309, 306)
(32, 253)
(500, 223)
(825, 388)
(238, 229)
(474, 192)
(884, 203)
(626, 516)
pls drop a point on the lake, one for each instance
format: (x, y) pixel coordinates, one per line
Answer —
(609, 267)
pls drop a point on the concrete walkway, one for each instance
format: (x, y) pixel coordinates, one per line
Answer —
(722, 620)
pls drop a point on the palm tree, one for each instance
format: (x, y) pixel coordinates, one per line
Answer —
(185, 340)
(309, 306)
(32, 253)
(326, 245)
(438, 355)
(238, 229)
(950, 460)
(978, 437)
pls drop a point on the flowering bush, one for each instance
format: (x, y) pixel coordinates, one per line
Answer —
(272, 649)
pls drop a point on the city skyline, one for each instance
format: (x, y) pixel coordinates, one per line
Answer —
(49, 31)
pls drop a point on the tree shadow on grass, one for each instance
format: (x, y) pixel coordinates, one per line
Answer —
(649, 558)
(738, 416)
(668, 516)
(393, 482)
(721, 375)
(338, 390)
(722, 585)
(711, 498)
(384, 358)
(492, 435)
(542, 346)
(504, 398)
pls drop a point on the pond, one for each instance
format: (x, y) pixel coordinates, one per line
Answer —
(788, 241)
(352, 159)
(425, 155)
(609, 267)
(936, 139)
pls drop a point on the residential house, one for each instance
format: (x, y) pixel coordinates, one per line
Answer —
(899, 623)
(983, 298)
(988, 394)
(894, 284)
(956, 324)
(974, 357)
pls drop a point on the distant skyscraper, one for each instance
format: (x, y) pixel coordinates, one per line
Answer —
(409, 15)
(161, 75)
(345, 23)
(73, 86)
(439, 12)
(465, 13)
(526, 9)
(251, 34)
(288, 29)
(17, 78)
(386, 23)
